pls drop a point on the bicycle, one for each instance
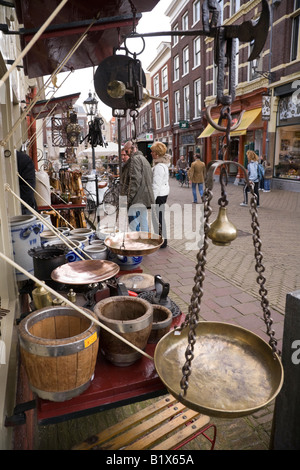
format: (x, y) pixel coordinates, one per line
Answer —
(183, 178)
(90, 208)
(111, 197)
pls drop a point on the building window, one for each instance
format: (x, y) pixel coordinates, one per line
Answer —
(176, 68)
(185, 22)
(156, 85)
(234, 6)
(197, 52)
(287, 149)
(186, 103)
(164, 79)
(166, 113)
(196, 11)
(150, 119)
(175, 38)
(185, 61)
(295, 46)
(177, 106)
(197, 98)
(157, 115)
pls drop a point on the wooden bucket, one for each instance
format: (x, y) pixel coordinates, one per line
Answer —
(131, 318)
(162, 320)
(59, 348)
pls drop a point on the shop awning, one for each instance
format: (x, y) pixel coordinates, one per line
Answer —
(207, 131)
(114, 21)
(248, 118)
(61, 104)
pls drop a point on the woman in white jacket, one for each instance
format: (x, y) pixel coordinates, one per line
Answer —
(160, 185)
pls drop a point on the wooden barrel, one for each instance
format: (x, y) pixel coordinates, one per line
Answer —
(59, 348)
(131, 318)
(162, 320)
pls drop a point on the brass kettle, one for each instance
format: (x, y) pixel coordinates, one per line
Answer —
(222, 232)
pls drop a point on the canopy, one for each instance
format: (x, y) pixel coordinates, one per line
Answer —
(111, 149)
(247, 120)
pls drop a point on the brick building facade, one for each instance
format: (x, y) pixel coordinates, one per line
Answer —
(266, 89)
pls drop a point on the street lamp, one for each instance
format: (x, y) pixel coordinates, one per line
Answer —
(91, 105)
(91, 109)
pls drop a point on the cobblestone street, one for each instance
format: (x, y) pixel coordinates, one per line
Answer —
(230, 295)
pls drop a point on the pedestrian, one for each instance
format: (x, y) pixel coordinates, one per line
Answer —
(262, 161)
(26, 170)
(253, 176)
(267, 178)
(124, 156)
(136, 185)
(182, 166)
(161, 188)
(196, 175)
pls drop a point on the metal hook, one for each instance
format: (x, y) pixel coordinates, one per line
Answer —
(218, 127)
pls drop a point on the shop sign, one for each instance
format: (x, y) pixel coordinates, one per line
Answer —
(266, 108)
(184, 124)
(288, 110)
(149, 136)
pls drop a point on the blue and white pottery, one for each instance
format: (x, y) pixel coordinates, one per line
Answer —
(126, 263)
(25, 234)
(83, 232)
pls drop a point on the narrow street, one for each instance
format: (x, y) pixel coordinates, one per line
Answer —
(230, 295)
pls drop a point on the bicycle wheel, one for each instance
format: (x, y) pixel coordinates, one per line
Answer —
(90, 209)
(110, 201)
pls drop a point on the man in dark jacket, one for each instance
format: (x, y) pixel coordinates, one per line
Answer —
(136, 185)
(26, 170)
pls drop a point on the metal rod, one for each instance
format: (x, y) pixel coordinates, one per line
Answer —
(72, 305)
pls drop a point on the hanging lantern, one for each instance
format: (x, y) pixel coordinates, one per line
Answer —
(73, 130)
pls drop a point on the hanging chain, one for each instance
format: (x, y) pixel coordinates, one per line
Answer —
(260, 269)
(192, 317)
(194, 308)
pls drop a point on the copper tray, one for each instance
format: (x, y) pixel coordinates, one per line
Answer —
(234, 372)
(85, 272)
(134, 243)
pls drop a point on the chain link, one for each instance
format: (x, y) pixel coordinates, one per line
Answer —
(192, 317)
(260, 269)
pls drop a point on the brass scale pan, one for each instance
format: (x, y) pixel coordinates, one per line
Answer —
(234, 371)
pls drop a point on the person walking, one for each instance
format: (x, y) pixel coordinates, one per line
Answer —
(196, 175)
(161, 188)
(267, 178)
(253, 176)
(262, 161)
(136, 185)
